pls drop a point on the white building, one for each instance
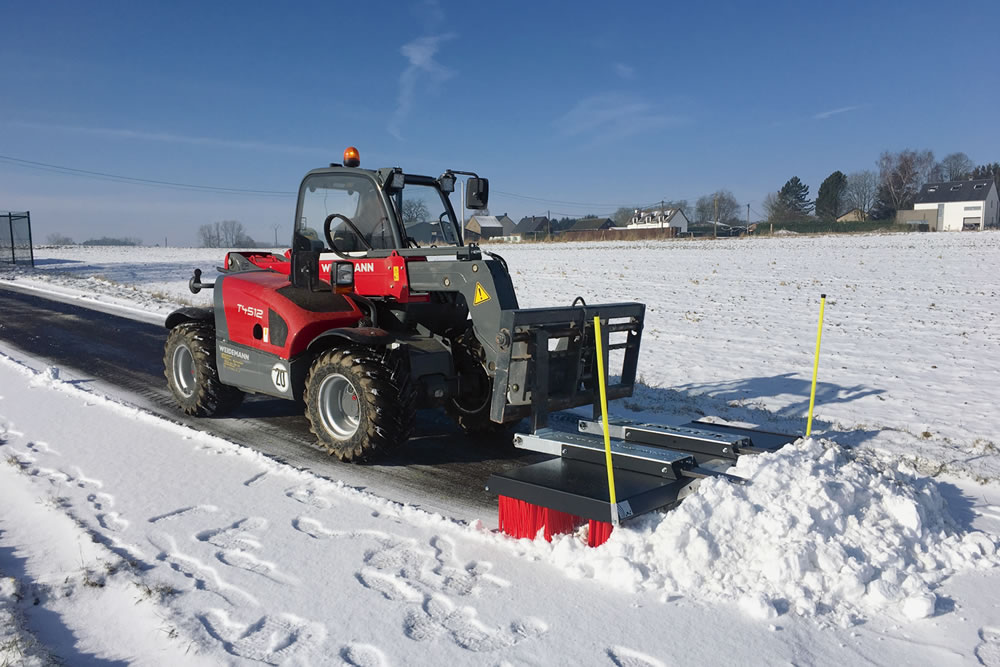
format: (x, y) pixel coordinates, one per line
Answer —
(659, 219)
(960, 204)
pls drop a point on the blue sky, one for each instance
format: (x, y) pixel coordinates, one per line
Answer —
(569, 108)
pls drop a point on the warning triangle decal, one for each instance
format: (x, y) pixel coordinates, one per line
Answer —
(481, 295)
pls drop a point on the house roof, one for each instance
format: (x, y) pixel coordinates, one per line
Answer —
(942, 193)
(532, 224)
(588, 224)
(508, 224)
(486, 221)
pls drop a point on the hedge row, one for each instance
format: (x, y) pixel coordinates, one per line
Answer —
(824, 227)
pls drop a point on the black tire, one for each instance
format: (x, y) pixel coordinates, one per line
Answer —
(360, 402)
(189, 364)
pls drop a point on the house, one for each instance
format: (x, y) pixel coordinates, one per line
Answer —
(483, 227)
(592, 224)
(426, 233)
(532, 227)
(507, 223)
(658, 219)
(854, 215)
(960, 204)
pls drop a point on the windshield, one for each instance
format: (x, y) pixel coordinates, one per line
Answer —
(426, 215)
(354, 196)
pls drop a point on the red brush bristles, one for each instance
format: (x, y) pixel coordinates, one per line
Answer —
(599, 532)
(518, 519)
(557, 523)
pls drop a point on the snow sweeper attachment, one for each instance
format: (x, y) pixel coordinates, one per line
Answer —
(545, 358)
(654, 468)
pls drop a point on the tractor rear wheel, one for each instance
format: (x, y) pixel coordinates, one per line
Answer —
(189, 364)
(359, 402)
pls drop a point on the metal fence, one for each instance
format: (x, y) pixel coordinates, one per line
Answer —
(15, 238)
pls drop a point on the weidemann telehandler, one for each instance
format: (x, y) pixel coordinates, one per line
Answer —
(379, 309)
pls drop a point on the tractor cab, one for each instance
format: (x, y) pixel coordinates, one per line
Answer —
(356, 212)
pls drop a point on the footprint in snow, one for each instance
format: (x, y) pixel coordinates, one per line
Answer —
(988, 650)
(202, 577)
(362, 655)
(438, 617)
(101, 501)
(112, 521)
(40, 447)
(312, 528)
(256, 478)
(237, 535)
(272, 639)
(307, 495)
(626, 657)
(183, 511)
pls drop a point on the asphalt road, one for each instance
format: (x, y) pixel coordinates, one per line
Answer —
(440, 469)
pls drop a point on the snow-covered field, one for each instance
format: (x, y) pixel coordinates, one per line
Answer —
(127, 537)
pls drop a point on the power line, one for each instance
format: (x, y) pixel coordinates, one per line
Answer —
(72, 171)
(558, 201)
(588, 204)
(133, 180)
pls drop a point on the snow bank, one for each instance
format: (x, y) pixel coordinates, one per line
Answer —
(17, 645)
(819, 531)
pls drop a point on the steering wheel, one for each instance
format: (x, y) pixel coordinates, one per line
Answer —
(329, 236)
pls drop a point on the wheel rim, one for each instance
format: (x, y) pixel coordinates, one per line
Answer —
(183, 367)
(339, 407)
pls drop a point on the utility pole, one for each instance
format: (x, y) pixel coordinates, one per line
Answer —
(748, 218)
(275, 227)
(548, 217)
(715, 229)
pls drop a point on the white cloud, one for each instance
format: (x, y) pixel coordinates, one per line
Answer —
(823, 115)
(165, 137)
(613, 116)
(624, 71)
(420, 53)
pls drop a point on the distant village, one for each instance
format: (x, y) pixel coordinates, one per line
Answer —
(654, 222)
(945, 206)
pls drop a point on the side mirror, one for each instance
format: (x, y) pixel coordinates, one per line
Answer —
(305, 270)
(477, 193)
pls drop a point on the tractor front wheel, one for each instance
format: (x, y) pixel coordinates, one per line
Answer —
(189, 364)
(359, 402)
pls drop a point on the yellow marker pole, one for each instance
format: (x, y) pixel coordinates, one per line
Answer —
(604, 415)
(819, 335)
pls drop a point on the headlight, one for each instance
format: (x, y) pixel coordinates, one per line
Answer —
(345, 274)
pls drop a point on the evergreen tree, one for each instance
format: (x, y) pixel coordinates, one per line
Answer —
(794, 197)
(829, 199)
(883, 208)
(987, 171)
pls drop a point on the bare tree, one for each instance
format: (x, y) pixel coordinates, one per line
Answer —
(954, 167)
(728, 207)
(415, 210)
(210, 236)
(225, 234)
(777, 209)
(622, 216)
(59, 239)
(681, 205)
(862, 187)
(901, 174)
